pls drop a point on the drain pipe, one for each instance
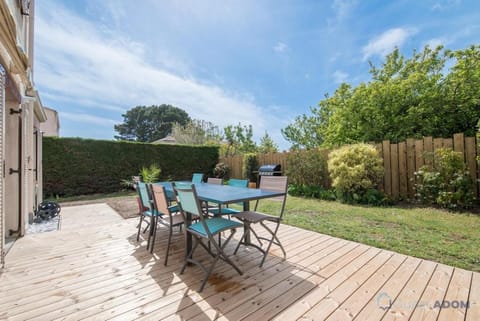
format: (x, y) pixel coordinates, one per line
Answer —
(18, 170)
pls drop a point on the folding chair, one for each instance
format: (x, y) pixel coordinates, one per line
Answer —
(272, 183)
(227, 210)
(197, 178)
(213, 180)
(170, 217)
(204, 229)
(146, 210)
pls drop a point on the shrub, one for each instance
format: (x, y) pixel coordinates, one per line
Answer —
(221, 170)
(250, 164)
(311, 191)
(355, 170)
(446, 182)
(308, 168)
(78, 166)
(150, 174)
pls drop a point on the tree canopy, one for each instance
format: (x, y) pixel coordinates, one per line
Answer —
(436, 93)
(196, 132)
(147, 124)
(239, 140)
(267, 145)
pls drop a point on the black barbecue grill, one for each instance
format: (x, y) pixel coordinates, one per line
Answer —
(268, 170)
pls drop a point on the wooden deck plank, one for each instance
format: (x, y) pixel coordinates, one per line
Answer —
(436, 290)
(404, 304)
(473, 312)
(327, 305)
(93, 268)
(283, 301)
(300, 307)
(360, 298)
(457, 293)
(376, 308)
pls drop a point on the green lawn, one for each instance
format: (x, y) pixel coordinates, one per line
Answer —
(434, 234)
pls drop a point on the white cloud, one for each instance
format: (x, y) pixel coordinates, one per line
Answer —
(340, 77)
(386, 42)
(445, 5)
(109, 72)
(280, 47)
(86, 118)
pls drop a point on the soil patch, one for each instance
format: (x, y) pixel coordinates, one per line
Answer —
(126, 206)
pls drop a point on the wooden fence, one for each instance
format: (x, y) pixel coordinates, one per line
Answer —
(401, 161)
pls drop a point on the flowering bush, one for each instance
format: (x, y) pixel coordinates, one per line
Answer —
(221, 170)
(355, 171)
(446, 182)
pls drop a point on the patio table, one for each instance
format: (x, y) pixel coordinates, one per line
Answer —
(223, 195)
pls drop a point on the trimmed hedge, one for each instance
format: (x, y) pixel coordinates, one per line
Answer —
(77, 166)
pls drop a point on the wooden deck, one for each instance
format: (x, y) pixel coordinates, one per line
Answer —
(94, 269)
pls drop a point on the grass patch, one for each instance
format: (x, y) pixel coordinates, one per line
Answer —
(429, 233)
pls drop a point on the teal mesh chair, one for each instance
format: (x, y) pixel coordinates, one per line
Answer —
(147, 212)
(170, 215)
(197, 178)
(270, 223)
(227, 210)
(204, 229)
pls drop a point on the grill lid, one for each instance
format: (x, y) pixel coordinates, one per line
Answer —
(269, 169)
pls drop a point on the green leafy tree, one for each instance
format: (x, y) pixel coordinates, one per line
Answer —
(238, 140)
(196, 132)
(414, 97)
(147, 124)
(267, 145)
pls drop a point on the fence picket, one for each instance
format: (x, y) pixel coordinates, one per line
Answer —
(388, 169)
(402, 169)
(458, 143)
(448, 143)
(410, 166)
(419, 160)
(470, 156)
(428, 150)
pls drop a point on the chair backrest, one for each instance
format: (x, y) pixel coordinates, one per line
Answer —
(276, 184)
(187, 199)
(213, 180)
(197, 178)
(238, 182)
(159, 198)
(143, 195)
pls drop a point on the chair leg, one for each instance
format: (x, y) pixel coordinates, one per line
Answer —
(220, 255)
(168, 244)
(153, 223)
(154, 234)
(190, 255)
(274, 237)
(139, 227)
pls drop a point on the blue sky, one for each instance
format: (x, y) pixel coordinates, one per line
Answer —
(254, 62)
